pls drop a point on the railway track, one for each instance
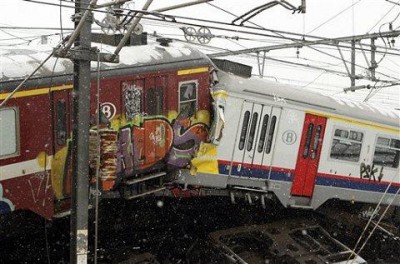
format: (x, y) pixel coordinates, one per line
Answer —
(165, 230)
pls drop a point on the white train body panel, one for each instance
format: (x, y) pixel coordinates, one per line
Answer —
(303, 147)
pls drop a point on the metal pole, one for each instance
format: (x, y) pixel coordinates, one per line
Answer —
(79, 23)
(80, 140)
(373, 61)
(353, 63)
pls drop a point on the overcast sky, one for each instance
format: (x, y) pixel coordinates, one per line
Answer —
(325, 18)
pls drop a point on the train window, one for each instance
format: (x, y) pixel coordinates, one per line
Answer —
(308, 140)
(270, 135)
(188, 97)
(155, 101)
(317, 137)
(61, 122)
(346, 145)
(243, 133)
(357, 136)
(341, 133)
(387, 152)
(9, 124)
(254, 121)
(263, 133)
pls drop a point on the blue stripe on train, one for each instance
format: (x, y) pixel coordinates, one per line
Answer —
(278, 175)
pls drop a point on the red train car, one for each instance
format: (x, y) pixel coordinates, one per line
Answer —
(155, 110)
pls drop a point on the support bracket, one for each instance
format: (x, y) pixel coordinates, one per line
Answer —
(84, 54)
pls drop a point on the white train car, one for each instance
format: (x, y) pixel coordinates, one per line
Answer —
(303, 147)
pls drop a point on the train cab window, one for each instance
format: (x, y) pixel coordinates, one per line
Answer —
(9, 124)
(346, 145)
(263, 133)
(61, 122)
(270, 135)
(243, 132)
(254, 121)
(188, 97)
(387, 152)
(155, 101)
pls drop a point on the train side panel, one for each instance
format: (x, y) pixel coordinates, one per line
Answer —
(147, 121)
(352, 167)
(305, 157)
(27, 148)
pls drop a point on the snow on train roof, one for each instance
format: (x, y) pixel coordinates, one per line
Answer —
(19, 62)
(287, 94)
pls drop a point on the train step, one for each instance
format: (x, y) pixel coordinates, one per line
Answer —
(142, 186)
(300, 202)
(145, 178)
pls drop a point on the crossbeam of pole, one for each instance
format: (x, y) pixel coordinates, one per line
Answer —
(301, 43)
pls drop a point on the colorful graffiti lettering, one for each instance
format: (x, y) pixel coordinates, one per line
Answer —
(143, 146)
(6, 205)
(369, 172)
(187, 139)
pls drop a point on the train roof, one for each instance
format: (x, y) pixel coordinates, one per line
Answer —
(292, 95)
(18, 62)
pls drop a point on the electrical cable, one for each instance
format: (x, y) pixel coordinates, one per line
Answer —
(314, 79)
(274, 31)
(97, 191)
(333, 56)
(61, 24)
(383, 17)
(338, 14)
(278, 34)
(379, 220)
(30, 75)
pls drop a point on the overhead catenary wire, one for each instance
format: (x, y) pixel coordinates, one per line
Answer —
(277, 33)
(25, 80)
(333, 17)
(379, 221)
(383, 17)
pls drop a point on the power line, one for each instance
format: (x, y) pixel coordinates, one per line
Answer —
(333, 56)
(338, 14)
(173, 20)
(383, 16)
(278, 34)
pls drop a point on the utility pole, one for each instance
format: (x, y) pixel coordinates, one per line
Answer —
(81, 54)
(80, 138)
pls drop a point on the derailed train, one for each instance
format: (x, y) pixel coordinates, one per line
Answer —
(172, 122)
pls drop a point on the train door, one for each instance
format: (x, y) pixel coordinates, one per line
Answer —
(266, 139)
(308, 156)
(246, 138)
(154, 132)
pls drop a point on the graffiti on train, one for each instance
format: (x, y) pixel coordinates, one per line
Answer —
(156, 139)
(371, 172)
(6, 205)
(138, 145)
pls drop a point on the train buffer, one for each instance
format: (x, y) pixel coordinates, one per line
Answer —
(142, 186)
